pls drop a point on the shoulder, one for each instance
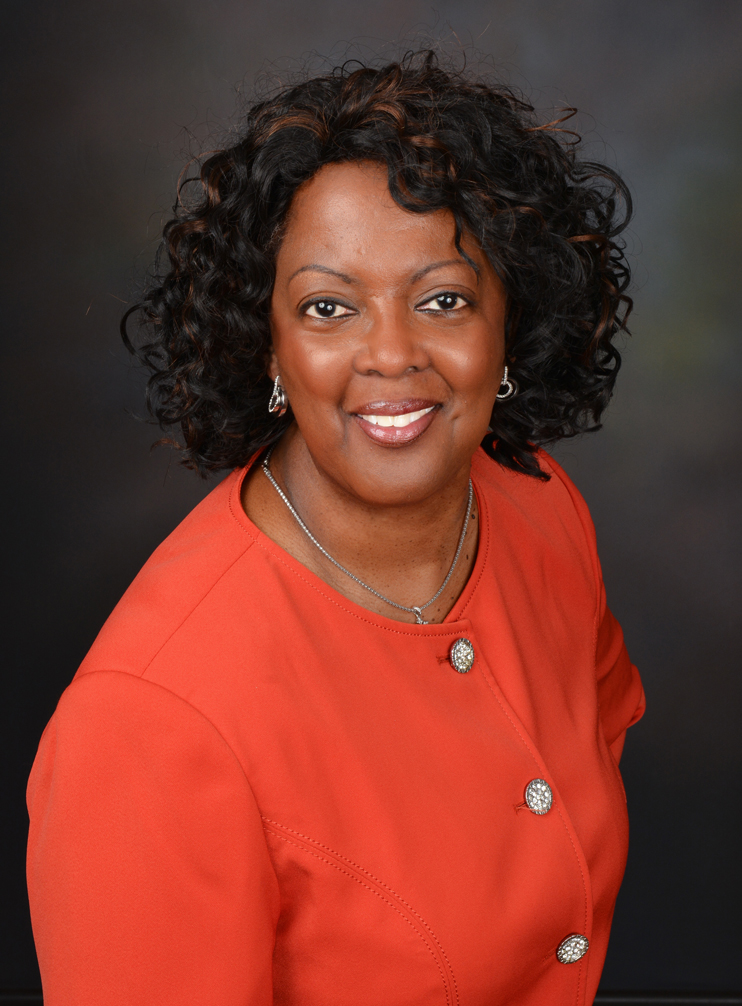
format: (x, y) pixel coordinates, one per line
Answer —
(177, 579)
(552, 512)
(529, 492)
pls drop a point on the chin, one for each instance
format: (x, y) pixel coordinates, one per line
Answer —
(400, 476)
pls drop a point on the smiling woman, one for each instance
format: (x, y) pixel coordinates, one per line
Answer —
(352, 735)
(383, 336)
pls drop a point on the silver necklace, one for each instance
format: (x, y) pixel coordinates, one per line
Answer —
(416, 611)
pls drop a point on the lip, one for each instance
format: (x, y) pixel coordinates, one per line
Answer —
(383, 408)
(392, 436)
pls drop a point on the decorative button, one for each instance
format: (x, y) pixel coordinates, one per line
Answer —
(572, 949)
(538, 796)
(461, 655)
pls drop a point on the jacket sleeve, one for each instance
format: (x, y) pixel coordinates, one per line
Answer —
(148, 872)
(620, 694)
(621, 699)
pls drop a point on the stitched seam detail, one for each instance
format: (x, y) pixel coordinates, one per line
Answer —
(201, 715)
(376, 880)
(482, 504)
(163, 688)
(232, 492)
(589, 534)
(574, 495)
(366, 873)
(558, 808)
(185, 618)
(376, 625)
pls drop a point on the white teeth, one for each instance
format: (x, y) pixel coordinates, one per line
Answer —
(398, 421)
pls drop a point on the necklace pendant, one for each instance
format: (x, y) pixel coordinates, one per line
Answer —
(418, 612)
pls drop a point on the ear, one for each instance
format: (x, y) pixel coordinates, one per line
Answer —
(273, 368)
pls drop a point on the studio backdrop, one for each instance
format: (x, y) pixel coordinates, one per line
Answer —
(103, 105)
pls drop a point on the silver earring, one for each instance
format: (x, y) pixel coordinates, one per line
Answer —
(510, 385)
(279, 402)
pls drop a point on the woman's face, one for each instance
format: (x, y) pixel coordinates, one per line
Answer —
(389, 344)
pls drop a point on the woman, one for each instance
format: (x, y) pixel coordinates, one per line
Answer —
(352, 734)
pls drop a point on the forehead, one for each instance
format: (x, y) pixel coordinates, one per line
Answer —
(347, 212)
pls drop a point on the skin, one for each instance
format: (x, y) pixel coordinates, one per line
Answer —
(392, 513)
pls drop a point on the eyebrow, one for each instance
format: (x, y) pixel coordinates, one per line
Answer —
(316, 267)
(439, 265)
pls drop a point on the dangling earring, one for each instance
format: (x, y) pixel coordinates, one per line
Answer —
(279, 402)
(510, 385)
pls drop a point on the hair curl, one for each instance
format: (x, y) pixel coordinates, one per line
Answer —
(548, 222)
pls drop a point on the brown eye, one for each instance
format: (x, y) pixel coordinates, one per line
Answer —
(326, 309)
(444, 302)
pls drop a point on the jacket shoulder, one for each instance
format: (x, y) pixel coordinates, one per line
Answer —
(556, 497)
(171, 585)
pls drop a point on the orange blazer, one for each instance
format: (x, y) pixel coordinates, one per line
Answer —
(256, 792)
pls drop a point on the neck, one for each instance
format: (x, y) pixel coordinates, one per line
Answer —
(367, 533)
(404, 551)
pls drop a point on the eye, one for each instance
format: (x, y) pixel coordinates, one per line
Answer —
(326, 309)
(446, 301)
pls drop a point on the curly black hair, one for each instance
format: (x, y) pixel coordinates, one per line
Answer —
(548, 222)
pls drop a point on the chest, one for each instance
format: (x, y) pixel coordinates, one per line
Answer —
(392, 787)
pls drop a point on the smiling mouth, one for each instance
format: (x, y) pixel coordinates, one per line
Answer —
(397, 424)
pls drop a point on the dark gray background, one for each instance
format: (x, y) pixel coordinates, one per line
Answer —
(103, 104)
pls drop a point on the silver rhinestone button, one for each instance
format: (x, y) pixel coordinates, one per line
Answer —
(572, 949)
(538, 796)
(461, 655)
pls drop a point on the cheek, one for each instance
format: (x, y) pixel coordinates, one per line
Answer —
(472, 370)
(315, 372)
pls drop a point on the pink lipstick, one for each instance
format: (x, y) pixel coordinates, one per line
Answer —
(396, 423)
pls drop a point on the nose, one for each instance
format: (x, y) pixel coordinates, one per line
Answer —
(392, 347)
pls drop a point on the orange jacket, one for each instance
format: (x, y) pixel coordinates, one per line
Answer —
(256, 791)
